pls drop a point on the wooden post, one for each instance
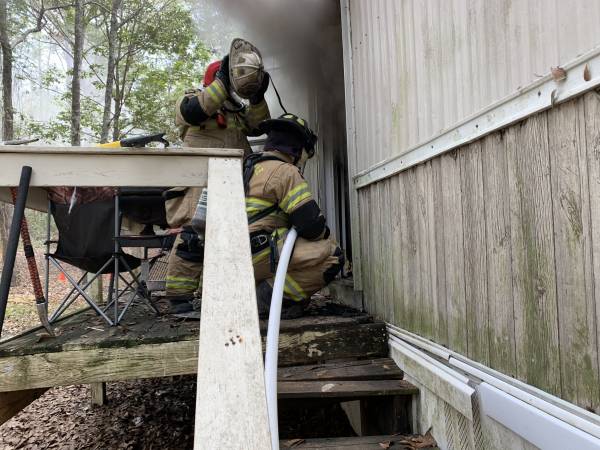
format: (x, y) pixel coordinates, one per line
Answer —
(98, 393)
(231, 406)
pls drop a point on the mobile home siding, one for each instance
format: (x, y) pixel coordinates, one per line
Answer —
(420, 67)
(491, 249)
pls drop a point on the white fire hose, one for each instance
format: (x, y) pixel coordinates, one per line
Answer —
(273, 335)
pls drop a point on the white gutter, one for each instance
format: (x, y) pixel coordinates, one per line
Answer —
(532, 424)
(577, 418)
(538, 96)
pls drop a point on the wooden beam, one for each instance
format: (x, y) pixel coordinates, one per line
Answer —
(48, 364)
(434, 377)
(231, 406)
(81, 166)
(376, 369)
(97, 365)
(98, 393)
(395, 442)
(344, 389)
(13, 402)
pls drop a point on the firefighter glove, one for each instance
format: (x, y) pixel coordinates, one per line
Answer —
(223, 72)
(259, 95)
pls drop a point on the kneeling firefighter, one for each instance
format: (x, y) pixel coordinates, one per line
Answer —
(211, 118)
(277, 198)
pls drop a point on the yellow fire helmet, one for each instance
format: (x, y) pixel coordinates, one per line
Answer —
(246, 69)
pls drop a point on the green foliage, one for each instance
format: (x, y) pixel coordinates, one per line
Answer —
(158, 56)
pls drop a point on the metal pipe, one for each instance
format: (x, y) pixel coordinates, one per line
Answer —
(41, 302)
(273, 335)
(13, 241)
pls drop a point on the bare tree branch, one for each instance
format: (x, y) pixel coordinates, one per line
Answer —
(39, 23)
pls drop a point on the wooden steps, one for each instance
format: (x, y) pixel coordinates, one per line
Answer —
(372, 393)
(393, 442)
(374, 369)
(347, 389)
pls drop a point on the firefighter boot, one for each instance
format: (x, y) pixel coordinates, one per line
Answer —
(177, 304)
(289, 308)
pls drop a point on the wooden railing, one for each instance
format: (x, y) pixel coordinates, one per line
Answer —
(231, 409)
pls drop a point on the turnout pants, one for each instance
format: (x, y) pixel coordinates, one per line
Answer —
(184, 277)
(313, 265)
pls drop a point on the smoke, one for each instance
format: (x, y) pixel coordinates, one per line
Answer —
(300, 41)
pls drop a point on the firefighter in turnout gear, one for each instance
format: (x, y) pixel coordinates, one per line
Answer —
(207, 118)
(277, 198)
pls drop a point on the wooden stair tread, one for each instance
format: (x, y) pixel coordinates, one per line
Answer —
(351, 443)
(371, 369)
(344, 389)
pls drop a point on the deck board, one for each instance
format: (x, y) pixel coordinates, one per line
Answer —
(86, 350)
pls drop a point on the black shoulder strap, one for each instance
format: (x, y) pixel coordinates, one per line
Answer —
(249, 163)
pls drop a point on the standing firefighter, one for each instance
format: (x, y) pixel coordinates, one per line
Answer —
(277, 198)
(211, 118)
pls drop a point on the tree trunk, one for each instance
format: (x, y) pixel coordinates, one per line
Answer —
(76, 82)
(7, 112)
(7, 71)
(116, 118)
(110, 70)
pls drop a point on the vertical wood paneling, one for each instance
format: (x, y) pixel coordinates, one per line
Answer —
(407, 253)
(454, 253)
(494, 250)
(438, 224)
(413, 264)
(592, 138)
(473, 221)
(425, 309)
(532, 240)
(572, 233)
(364, 208)
(396, 213)
(388, 249)
(499, 265)
(374, 256)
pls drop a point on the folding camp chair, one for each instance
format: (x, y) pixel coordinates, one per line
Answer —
(90, 239)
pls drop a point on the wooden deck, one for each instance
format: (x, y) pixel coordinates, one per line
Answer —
(87, 351)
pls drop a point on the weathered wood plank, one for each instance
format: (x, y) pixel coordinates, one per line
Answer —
(231, 386)
(368, 238)
(437, 221)
(351, 443)
(377, 263)
(313, 346)
(365, 236)
(406, 255)
(299, 343)
(79, 166)
(499, 265)
(97, 365)
(473, 221)
(532, 244)
(424, 299)
(396, 206)
(454, 253)
(388, 251)
(98, 393)
(412, 263)
(592, 134)
(11, 403)
(374, 369)
(577, 327)
(454, 392)
(344, 389)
